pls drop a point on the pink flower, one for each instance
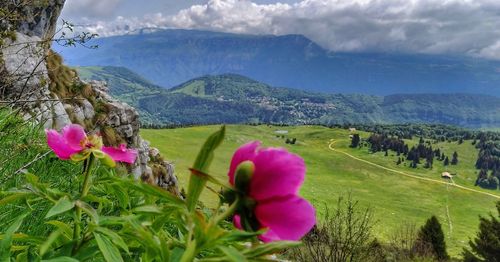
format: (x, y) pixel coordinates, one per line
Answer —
(271, 199)
(73, 143)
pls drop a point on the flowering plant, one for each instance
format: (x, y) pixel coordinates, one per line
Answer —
(73, 143)
(267, 182)
(111, 217)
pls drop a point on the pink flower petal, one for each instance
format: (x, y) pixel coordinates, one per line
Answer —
(237, 221)
(287, 218)
(59, 145)
(246, 152)
(74, 135)
(277, 173)
(121, 154)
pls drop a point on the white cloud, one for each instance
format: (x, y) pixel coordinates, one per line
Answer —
(470, 27)
(90, 8)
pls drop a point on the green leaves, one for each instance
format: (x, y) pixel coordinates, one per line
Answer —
(109, 251)
(233, 254)
(198, 178)
(61, 206)
(6, 243)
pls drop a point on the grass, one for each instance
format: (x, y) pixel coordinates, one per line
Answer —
(395, 199)
(23, 150)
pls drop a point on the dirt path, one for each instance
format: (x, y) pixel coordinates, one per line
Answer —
(330, 146)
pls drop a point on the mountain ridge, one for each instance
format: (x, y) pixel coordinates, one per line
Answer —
(170, 57)
(230, 98)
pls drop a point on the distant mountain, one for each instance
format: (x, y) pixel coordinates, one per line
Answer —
(171, 57)
(233, 98)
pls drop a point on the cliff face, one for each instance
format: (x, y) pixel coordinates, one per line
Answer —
(34, 79)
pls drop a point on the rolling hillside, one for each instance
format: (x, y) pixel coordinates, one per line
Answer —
(397, 194)
(237, 99)
(171, 57)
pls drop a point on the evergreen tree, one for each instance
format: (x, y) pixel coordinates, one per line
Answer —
(454, 160)
(486, 245)
(355, 140)
(431, 235)
(446, 161)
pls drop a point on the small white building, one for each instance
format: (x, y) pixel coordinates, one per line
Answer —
(446, 175)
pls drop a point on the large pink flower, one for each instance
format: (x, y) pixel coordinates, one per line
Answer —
(273, 192)
(73, 143)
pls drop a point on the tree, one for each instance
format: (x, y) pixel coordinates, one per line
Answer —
(454, 160)
(431, 235)
(355, 140)
(446, 161)
(486, 245)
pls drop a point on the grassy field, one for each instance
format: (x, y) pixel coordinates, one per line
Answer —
(395, 198)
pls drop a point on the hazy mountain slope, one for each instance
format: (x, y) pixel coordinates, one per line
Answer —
(171, 57)
(233, 98)
(122, 82)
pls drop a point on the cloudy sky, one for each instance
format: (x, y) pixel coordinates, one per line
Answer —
(454, 27)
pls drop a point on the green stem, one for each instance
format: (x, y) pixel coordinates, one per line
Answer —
(87, 168)
(227, 213)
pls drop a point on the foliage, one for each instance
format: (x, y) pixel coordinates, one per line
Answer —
(431, 237)
(345, 234)
(233, 98)
(103, 215)
(486, 245)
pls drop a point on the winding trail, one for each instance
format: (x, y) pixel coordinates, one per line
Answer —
(330, 146)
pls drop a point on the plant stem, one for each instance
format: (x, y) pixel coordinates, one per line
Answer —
(87, 168)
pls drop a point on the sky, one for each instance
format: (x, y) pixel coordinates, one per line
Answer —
(447, 27)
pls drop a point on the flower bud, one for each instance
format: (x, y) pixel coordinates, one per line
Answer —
(243, 176)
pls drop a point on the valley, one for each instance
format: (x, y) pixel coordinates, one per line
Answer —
(373, 179)
(236, 99)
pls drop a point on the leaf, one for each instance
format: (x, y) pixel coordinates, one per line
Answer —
(240, 235)
(109, 251)
(61, 206)
(190, 252)
(117, 239)
(197, 180)
(65, 228)
(13, 197)
(61, 259)
(106, 160)
(233, 254)
(147, 209)
(206, 154)
(80, 156)
(50, 240)
(6, 243)
(89, 210)
(121, 195)
(155, 191)
(270, 248)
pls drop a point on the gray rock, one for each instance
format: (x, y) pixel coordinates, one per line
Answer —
(24, 77)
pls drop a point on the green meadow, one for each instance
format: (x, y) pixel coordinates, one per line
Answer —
(394, 198)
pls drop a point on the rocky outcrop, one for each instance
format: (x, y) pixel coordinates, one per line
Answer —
(33, 78)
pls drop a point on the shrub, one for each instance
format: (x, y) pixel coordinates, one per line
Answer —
(344, 234)
(486, 245)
